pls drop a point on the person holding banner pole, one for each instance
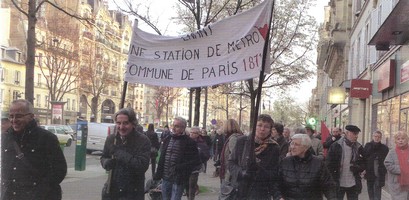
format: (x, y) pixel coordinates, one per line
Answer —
(259, 180)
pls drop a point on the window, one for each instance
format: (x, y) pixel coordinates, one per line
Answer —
(16, 95)
(17, 77)
(38, 100)
(46, 101)
(68, 104)
(18, 56)
(3, 52)
(39, 80)
(1, 95)
(140, 105)
(73, 105)
(3, 75)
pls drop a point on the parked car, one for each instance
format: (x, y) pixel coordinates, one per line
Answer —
(68, 129)
(58, 130)
(97, 134)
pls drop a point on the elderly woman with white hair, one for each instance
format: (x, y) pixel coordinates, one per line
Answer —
(397, 165)
(303, 175)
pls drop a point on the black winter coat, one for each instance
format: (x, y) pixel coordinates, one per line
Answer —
(305, 178)
(39, 178)
(132, 161)
(264, 183)
(153, 137)
(329, 141)
(187, 160)
(373, 151)
(334, 159)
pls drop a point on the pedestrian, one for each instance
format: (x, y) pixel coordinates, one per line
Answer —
(257, 180)
(165, 133)
(304, 175)
(32, 163)
(126, 155)
(204, 154)
(5, 123)
(218, 142)
(335, 136)
(316, 143)
(231, 130)
(375, 153)
(208, 141)
(155, 145)
(287, 134)
(178, 158)
(277, 135)
(397, 165)
(345, 161)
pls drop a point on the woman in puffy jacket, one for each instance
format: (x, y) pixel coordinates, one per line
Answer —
(303, 175)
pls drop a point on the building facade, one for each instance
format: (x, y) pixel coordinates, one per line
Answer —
(376, 69)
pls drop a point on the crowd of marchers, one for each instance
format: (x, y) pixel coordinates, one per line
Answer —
(271, 163)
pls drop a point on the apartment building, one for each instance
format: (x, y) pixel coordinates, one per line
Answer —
(375, 64)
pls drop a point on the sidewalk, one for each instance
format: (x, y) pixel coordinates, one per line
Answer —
(94, 177)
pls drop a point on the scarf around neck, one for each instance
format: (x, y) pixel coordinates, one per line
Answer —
(354, 146)
(263, 144)
(403, 157)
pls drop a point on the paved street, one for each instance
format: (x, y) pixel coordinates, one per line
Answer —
(87, 184)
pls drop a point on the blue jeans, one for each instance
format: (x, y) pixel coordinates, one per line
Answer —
(171, 190)
(374, 190)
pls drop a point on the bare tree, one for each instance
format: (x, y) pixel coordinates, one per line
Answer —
(286, 111)
(31, 9)
(163, 97)
(292, 38)
(59, 59)
(95, 76)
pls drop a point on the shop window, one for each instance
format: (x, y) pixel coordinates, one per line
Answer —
(388, 119)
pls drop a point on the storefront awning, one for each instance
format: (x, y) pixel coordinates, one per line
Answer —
(395, 29)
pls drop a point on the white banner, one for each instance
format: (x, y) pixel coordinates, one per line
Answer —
(226, 51)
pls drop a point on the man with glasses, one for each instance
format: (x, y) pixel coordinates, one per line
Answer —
(178, 158)
(33, 164)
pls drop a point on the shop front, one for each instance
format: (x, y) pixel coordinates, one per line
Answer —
(391, 96)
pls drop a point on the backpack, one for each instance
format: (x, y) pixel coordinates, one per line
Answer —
(204, 151)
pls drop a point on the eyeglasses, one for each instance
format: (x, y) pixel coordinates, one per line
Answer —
(18, 116)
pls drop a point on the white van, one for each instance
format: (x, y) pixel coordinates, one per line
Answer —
(97, 134)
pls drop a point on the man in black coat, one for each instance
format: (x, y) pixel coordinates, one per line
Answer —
(32, 163)
(335, 136)
(375, 153)
(178, 157)
(126, 153)
(345, 161)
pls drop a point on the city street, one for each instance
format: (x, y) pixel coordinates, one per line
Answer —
(87, 184)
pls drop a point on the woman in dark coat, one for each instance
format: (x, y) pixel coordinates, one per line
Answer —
(153, 137)
(258, 180)
(303, 175)
(126, 153)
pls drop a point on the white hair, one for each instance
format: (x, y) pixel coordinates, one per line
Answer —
(305, 139)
